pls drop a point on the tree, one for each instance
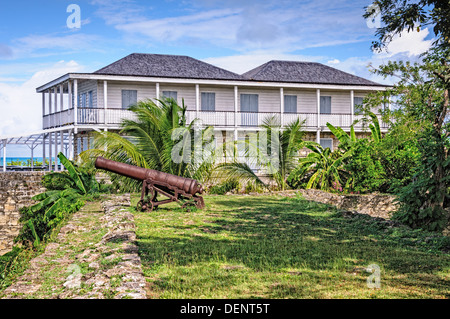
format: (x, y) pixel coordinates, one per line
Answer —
(274, 149)
(400, 15)
(423, 96)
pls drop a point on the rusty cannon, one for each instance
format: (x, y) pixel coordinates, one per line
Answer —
(177, 189)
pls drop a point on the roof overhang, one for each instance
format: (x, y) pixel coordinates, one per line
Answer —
(246, 83)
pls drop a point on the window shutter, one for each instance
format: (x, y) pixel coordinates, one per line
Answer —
(208, 101)
(325, 105)
(249, 103)
(290, 104)
(357, 104)
(129, 97)
(170, 94)
(90, 103)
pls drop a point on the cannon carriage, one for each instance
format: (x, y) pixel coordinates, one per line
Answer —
(185, 191)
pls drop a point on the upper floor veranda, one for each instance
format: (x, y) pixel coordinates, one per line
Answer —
(102, 101)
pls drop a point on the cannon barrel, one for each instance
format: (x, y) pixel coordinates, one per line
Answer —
(188, 185)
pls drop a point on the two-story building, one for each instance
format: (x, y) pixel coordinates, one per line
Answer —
(78, 103)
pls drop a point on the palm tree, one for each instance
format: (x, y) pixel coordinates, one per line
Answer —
(274, 149)
(159, 138)
(322, 167)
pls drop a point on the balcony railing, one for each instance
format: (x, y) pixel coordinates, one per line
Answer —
(96, 116)
(85, 116)
(247, 119)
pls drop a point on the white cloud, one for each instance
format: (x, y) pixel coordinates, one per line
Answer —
(30, 45)
(410, 43)
(287, 26)
(334, 61)
(208, 25)
(407, 47)
(20, 105)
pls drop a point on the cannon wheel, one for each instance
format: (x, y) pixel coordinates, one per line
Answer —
(144, 206)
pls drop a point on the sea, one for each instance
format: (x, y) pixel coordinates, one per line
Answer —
(22, 161)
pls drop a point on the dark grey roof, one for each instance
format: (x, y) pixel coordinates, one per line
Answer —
(172, 66)
(304, 72)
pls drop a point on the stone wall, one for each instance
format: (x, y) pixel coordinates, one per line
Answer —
(16, 190)
(376, 205)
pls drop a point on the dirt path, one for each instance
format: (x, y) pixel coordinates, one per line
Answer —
(94, 256)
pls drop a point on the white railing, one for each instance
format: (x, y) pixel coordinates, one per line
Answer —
(58, 119)
(86, 116)
(217, 119)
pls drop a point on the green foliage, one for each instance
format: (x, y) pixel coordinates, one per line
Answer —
(423, 202)
(345, 140)
(398, 15)
(38, 223)
(63, 197)
(273, 149)
(225, 187)
(12, 264)
(421, 103)
(366, 173)
(322, 169)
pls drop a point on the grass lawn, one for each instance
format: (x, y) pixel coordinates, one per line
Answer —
(279, 247)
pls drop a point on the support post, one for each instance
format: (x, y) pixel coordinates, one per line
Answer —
(43, 109)
(50, 108)
(105, 99)
(4, 155)
(318, 115)
(32, 157)
(61, 135)
(236, 107)
(352, 106)
(61, 103)
(281, 107)
(197, 100)
(157, 94)
(43, 151)
(50, 157)
(55, 92)
(56, 151)
(70, 137)
(75, 100)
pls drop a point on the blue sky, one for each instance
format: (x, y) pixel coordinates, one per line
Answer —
(36, 44)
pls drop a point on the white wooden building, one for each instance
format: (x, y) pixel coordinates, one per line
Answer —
(78, 103)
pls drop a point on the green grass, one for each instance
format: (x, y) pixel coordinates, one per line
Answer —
(274, 247)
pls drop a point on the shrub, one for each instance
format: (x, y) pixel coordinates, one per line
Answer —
(225, 187)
